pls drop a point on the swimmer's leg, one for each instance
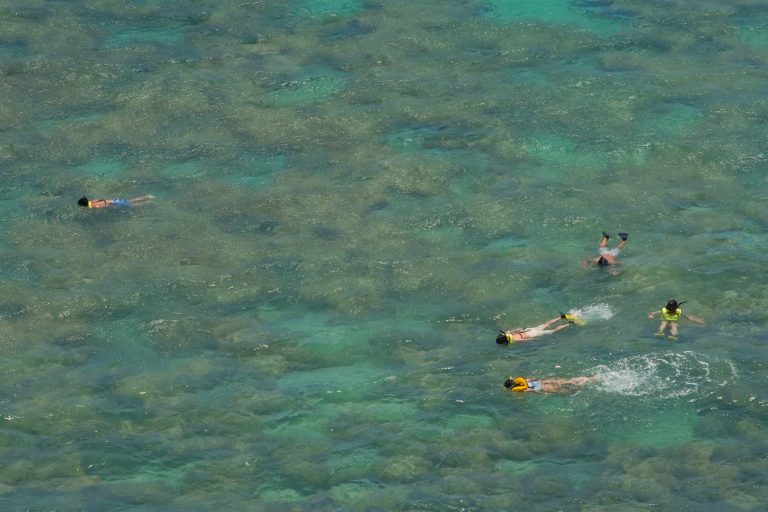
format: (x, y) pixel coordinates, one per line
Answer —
(623, 242)
(673, 330)
(573, 381)
(604, 240)
(142, 199)
(662, 328)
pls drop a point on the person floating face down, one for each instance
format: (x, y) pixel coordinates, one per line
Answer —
(670, 316)
(606, 256)
(528, 333)
(103, 203)
(549, 385)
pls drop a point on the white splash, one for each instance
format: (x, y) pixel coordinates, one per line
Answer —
(592, 313)
(666, 375)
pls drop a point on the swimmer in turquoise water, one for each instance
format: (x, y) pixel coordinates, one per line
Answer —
(522, 384)
(524, 334)
(606, 256)
(670, 316)
(102, 203)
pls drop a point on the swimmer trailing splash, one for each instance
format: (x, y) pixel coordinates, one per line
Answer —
(103, 203)
(670, 316)
(607, 257)
(549, 385)
(577, 316)
(525, 334)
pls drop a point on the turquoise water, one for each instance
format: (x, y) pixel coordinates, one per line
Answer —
(352, 197)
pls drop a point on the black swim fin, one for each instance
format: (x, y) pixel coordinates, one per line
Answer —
(606, 235)
(624, 236)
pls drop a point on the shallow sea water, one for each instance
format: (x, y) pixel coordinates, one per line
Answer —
(352, 198)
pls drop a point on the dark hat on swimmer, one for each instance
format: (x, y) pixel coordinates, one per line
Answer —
(502, 338)
(83, 201)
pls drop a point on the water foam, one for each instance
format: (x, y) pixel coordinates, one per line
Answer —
(665, 375)
(593, 312)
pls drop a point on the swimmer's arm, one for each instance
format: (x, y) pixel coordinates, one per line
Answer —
(694, 319)
(653, 314)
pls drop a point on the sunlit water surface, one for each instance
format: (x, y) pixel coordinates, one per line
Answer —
(353, 196)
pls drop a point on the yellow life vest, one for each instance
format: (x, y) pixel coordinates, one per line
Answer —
(671, 317)
(519, 384)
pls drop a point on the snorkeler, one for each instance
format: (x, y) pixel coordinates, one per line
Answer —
(101, 203)
(518, 334)
(521, 384)
(607, 257)
(670, 315)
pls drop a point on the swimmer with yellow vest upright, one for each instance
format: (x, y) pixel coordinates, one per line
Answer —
(525, 334)
(103, 203)
(670, 316)
(523, 385)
